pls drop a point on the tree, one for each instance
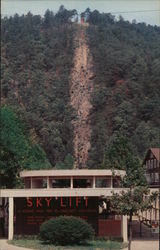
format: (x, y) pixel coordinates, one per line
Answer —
(17, 150)
(64, 16)
(131, 202)
(120, 155)
(67, 164)
(48, 18)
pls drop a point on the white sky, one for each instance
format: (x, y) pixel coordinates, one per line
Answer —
(148, 11)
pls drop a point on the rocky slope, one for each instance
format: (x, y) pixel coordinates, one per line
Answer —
(81, 87)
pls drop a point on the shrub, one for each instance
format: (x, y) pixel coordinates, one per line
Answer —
(65, 230)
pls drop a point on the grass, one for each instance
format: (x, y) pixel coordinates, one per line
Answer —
(92, 245)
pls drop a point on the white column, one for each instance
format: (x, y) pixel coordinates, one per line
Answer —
(94, 182)
(31, 183)
(124, 228)
(71, 182)
(11, 218)
(48, 183)
(111, 181)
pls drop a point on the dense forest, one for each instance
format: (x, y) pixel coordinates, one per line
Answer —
(19, 150)
(36, 62)
(37, 58)
(126, 98)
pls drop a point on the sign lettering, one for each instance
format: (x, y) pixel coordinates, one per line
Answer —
(31, 212)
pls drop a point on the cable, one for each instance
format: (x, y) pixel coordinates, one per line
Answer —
(116, 12)
(136, 11)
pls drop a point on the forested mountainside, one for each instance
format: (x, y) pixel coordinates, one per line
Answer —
(37, 70)
(126, 97)
(37, 58)
(19, 150)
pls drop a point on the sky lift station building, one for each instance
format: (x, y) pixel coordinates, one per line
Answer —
(51, 193)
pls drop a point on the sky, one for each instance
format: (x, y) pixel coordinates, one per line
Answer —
(147, 11)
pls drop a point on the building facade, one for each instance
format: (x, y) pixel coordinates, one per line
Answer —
(50, 193)
(151, 165)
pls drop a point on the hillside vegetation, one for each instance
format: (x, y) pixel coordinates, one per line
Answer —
(19, 150)
(37, 62)
(126, 98)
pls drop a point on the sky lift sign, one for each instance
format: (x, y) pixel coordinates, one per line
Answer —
(30, 213)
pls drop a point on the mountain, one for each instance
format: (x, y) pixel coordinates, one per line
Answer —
(126, 97)
(119, 83)
(37, 58)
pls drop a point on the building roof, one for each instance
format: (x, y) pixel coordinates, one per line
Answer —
(155, 152)
(71, 172)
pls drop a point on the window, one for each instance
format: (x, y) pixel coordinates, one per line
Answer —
(156, 177)
(155, 163)
(27, 183)
(148, 178)
(39, 183)
(60, 183)
(103, 182)
(148, 164)
(82, 183)
(151, 163)
(152, 177)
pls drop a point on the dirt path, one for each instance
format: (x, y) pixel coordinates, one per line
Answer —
(81, 87)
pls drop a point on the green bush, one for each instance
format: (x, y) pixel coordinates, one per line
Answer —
(65, 230)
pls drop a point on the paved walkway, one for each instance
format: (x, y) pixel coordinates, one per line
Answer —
(144, 245)
(5, 246)
(136, 245)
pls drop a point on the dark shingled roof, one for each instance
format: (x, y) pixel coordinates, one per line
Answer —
(155, 152)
